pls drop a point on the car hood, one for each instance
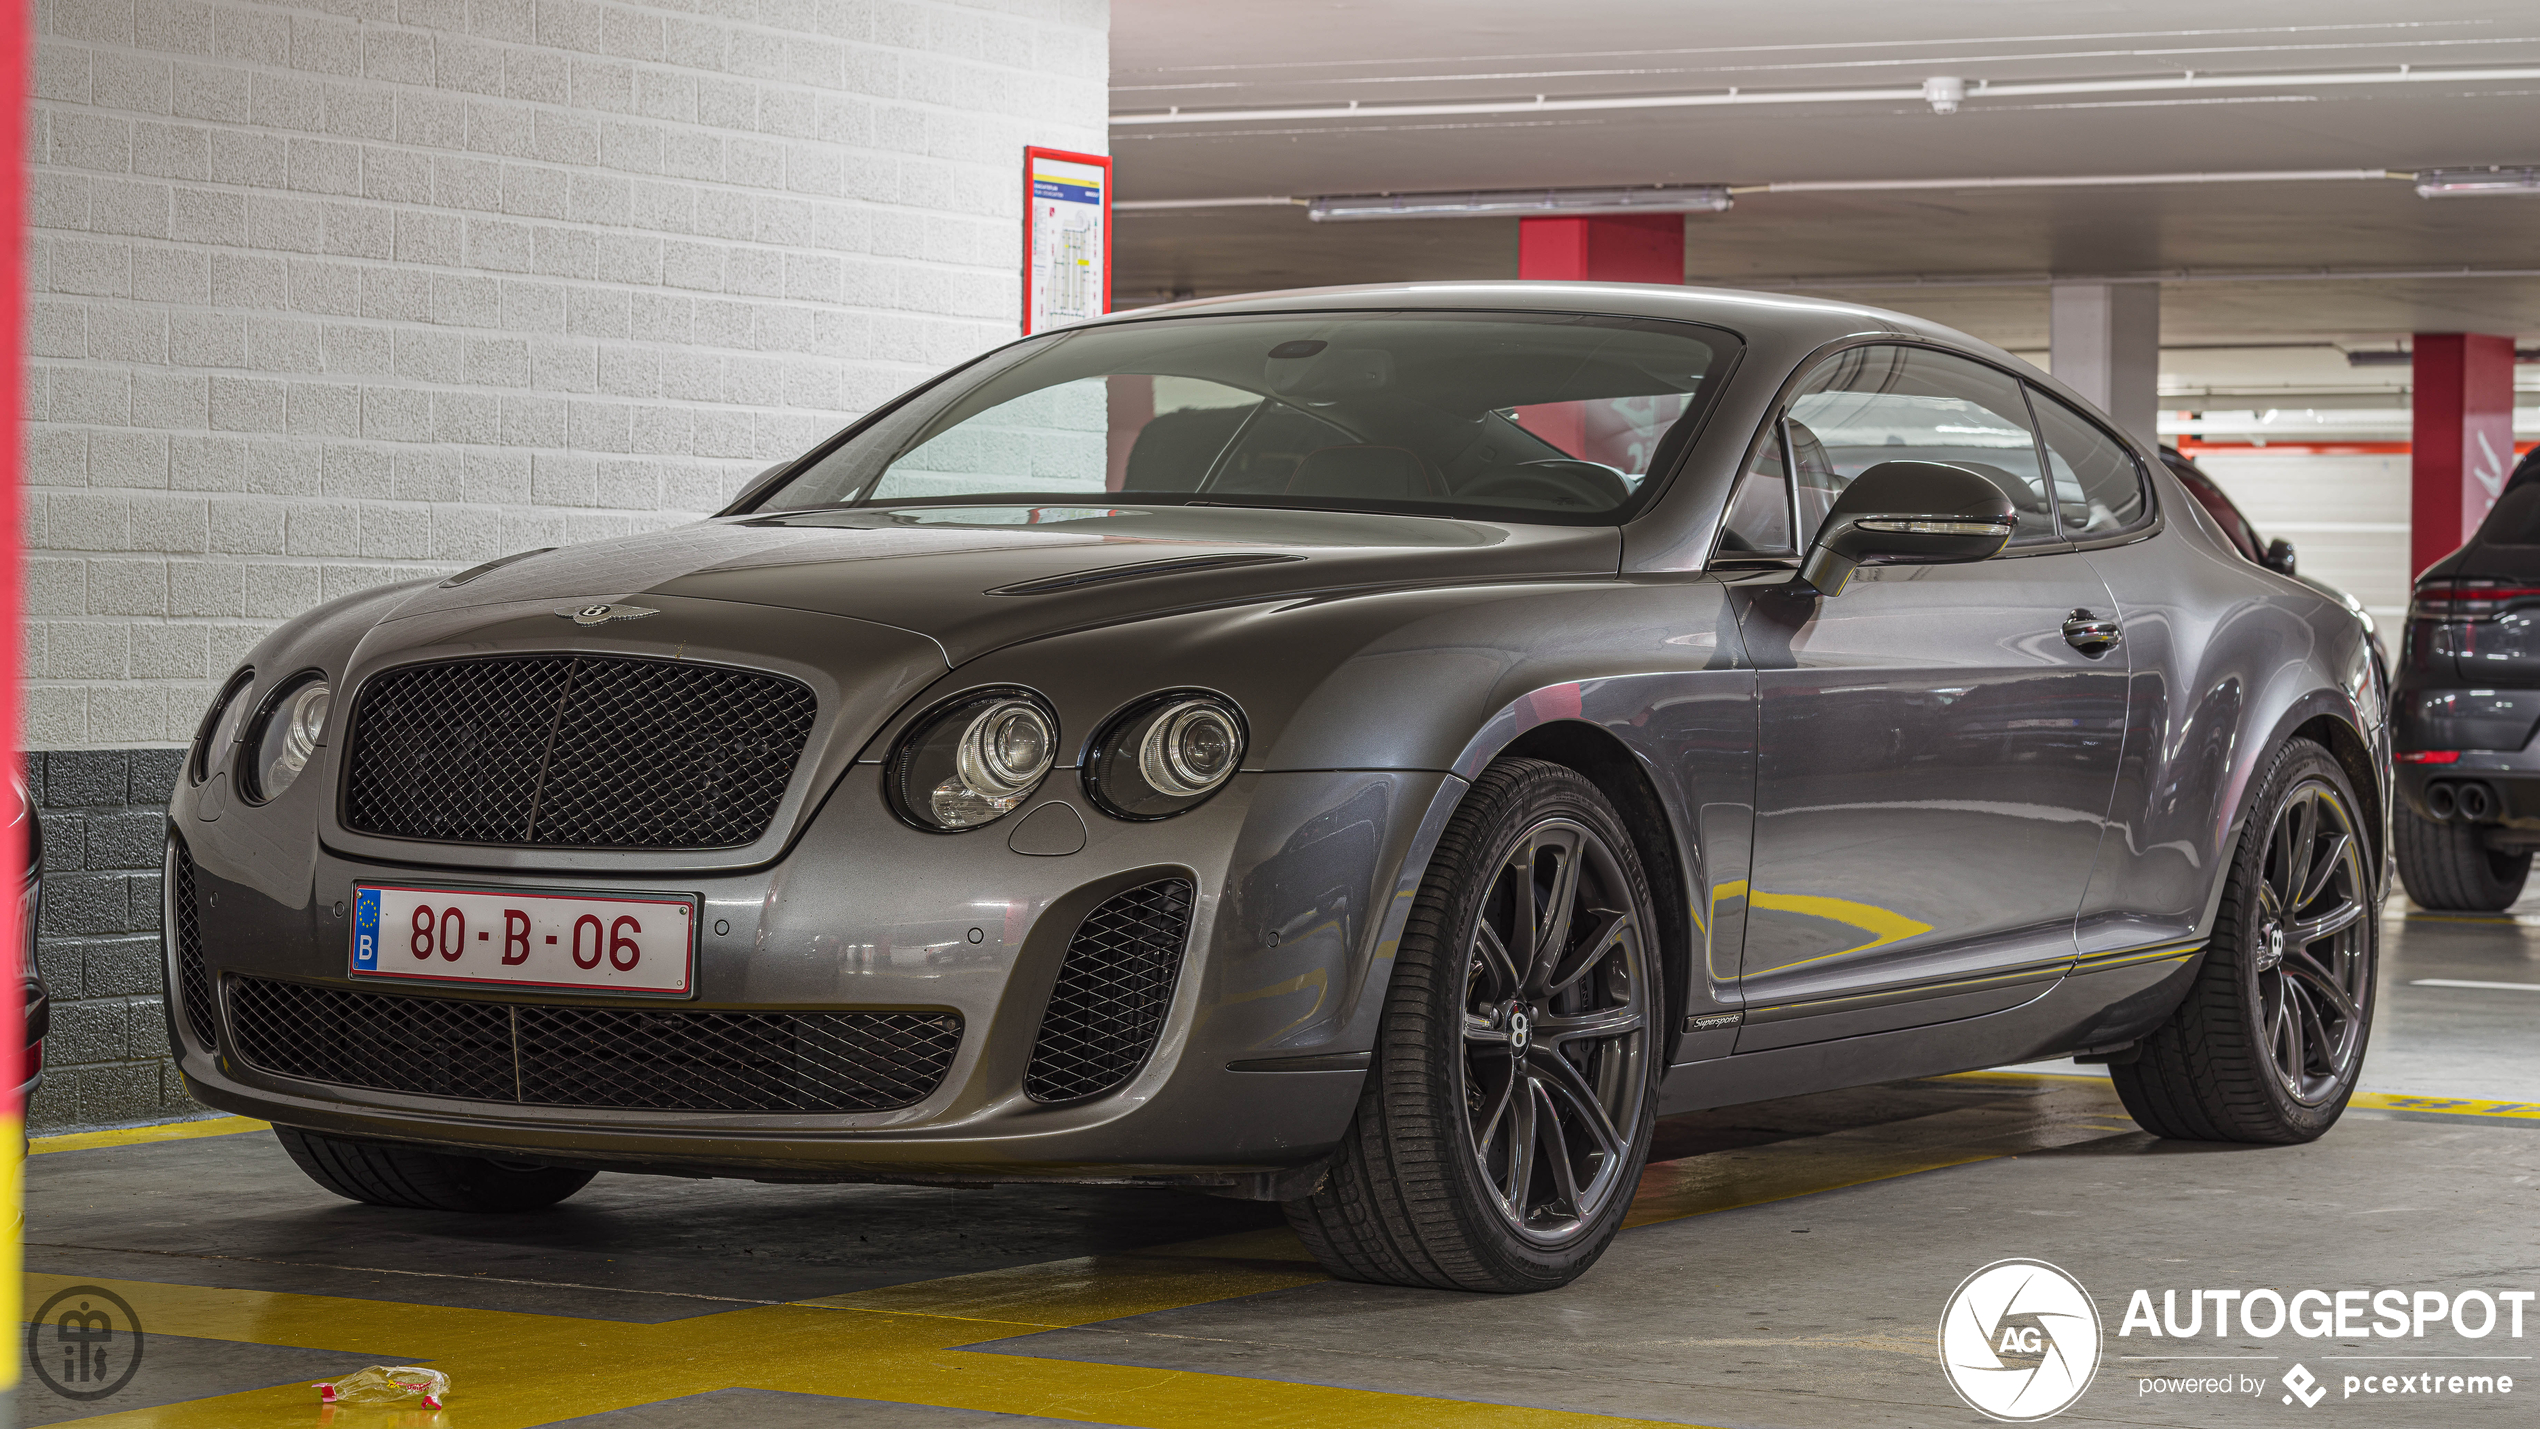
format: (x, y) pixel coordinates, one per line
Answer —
(974, 579)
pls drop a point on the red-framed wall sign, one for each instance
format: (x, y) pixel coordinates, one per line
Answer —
(1066, 238)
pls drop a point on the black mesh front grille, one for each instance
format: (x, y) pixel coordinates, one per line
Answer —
(1113, 988)
(194, 984)
(599, 1057)
(565, 751)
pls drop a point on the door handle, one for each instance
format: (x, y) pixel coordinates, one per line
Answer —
(2092, 635)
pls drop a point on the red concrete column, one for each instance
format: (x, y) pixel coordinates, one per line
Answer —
(16, 43)
(1595, 248)
(1603, 248)
(2464, 440)
(1132, 405)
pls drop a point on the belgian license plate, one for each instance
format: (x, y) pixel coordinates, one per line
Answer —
(579, 940)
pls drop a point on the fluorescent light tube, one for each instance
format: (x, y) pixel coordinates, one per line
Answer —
(1662, 198)
(2474, 183)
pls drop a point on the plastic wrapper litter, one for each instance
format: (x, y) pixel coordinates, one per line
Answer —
(389, 1384)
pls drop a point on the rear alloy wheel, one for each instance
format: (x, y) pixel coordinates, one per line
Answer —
(2449, 866)
(1508, 1115)
(382, 1174)
(2269, 1042)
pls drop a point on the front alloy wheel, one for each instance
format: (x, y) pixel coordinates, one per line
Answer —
(1508, 1115)
(1556, 1031)
(2270, 1039)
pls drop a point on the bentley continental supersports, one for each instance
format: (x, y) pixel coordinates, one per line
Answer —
(1371, 749)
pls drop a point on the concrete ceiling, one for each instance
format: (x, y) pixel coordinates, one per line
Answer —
(1922, 251)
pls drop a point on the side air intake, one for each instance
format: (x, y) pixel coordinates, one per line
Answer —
(194, 982)
(1113, 989)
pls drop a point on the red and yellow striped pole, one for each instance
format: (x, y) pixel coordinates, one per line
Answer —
(17, 60)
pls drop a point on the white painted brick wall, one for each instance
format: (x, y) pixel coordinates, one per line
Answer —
(335, 294)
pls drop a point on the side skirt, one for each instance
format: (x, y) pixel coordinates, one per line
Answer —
(2090, 1009)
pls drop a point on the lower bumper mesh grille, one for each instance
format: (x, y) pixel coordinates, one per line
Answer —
(194, 983)
(1114, 986)
(597, 1057)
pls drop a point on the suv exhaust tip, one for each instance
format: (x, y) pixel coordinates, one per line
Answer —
(2466, 800)
(2440, 802)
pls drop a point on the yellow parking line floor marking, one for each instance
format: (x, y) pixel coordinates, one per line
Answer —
(2405, 1102)
(2444, 1106)
(965, 1342)
(135, 1135)
(914, 1344)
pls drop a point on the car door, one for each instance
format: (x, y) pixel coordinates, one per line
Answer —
(1935, 756)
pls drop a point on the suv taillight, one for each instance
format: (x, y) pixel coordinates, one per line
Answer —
(2466, 598)
(2432, 599)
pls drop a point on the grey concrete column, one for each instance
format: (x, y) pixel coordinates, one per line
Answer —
(2106, 342)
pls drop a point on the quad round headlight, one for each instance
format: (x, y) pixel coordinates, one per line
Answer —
(219, 729)
(973, 761)
(286, 736)
(1165, 755)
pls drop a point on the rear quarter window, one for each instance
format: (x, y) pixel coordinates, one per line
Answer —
(2098, 485)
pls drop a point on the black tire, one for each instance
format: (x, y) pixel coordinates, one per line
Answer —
(381, 1174)
(2260, 1004)
(2449, 866)
(1562, 1071)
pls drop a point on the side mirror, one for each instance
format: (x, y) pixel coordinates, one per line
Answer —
(1923, 513)
(2279, 556)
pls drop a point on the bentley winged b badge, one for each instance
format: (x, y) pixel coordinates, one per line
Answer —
(603, 612)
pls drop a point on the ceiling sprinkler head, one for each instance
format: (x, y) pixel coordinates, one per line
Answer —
(1942, 93)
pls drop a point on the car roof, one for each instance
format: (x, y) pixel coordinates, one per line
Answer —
(1787, 317)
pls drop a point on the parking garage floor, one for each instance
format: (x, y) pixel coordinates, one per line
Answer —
(1786, 1265)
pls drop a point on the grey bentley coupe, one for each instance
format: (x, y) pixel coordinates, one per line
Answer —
(1373, 749)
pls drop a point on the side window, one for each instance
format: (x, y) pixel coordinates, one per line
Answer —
(1874, 404)
(2227, 516)
(1758, 520)
(2099, 487)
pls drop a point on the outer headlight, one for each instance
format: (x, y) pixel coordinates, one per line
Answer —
(286, 735)
(219, 729)
(973, 761)
(1165, 755)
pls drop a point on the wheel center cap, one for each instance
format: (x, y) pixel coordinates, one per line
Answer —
(2271, 949)
(1521, 1029)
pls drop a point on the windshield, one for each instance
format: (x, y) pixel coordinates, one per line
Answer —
(1554, 417)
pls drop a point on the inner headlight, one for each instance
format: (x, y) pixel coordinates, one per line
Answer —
(286, 735)
(972, 762)
(1165, 755)
(219, 729)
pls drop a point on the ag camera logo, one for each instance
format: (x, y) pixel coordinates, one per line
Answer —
(2019, 1341)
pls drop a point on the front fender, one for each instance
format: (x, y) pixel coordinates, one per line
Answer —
(1440, 682)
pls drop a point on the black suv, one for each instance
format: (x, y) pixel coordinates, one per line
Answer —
(2463, 712)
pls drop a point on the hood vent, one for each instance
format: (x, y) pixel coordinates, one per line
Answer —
(1174, 567)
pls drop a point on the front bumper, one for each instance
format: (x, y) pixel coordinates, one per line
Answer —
(1296, 906)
